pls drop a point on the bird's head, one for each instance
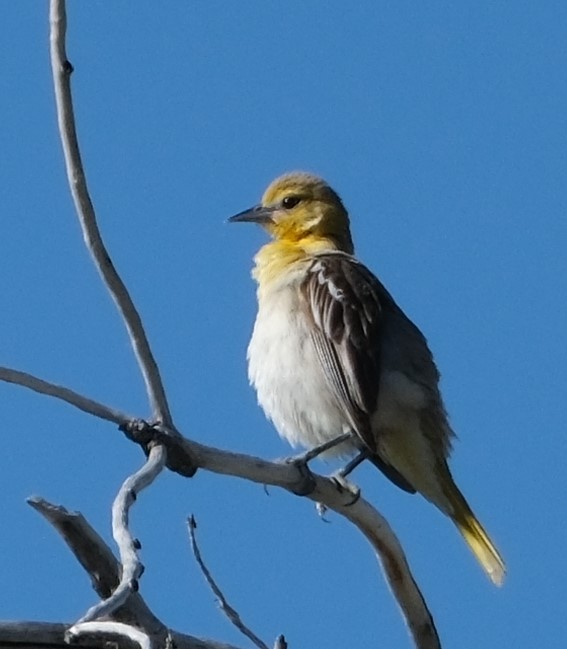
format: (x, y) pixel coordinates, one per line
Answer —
(301, 208)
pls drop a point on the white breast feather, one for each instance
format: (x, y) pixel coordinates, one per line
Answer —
(285, 371)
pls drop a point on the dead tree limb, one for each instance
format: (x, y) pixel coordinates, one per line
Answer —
(104, 569)
(62, 70)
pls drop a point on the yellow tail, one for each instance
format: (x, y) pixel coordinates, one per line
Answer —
(417, 461)
(476, 537)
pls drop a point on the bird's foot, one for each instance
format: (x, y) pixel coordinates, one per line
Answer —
(306, 483)
(346, 487)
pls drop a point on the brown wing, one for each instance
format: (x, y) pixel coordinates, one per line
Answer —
(341, 301)
(345, 303)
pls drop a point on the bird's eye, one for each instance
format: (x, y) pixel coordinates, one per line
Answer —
(290, 201)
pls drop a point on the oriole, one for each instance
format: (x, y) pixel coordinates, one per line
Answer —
(331, 352)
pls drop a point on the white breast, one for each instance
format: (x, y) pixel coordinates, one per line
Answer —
(284, 369)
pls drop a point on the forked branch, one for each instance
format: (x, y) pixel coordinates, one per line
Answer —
(183, 452)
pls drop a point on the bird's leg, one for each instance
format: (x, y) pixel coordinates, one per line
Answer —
(351, 466)
(301, 462)
(339, 477)
(317, 450)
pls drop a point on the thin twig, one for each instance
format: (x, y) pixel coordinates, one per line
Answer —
(109, 628)
(280, 642)
(77, 181)
(128, 547)
(227, 609)
(136, 429)
(65, 394)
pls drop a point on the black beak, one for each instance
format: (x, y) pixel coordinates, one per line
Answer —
(257, 214)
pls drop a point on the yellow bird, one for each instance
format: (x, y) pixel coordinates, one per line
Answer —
(332, 353)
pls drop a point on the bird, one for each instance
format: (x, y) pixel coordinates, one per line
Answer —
(333, 357)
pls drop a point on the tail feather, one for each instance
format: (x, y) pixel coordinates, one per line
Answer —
(476, 537)
(409, 455)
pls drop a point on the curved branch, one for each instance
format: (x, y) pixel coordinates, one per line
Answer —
(62, 70)
(185, 455)
(324, 491)
(109, 628)
(128, 547)
(395, 566)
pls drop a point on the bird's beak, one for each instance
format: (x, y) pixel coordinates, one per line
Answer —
(257, 214)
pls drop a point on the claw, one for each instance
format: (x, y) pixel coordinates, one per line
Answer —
(344, 486)
(322, 510)
(307, 481)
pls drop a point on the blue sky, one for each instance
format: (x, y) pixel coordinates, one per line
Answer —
(443, 126)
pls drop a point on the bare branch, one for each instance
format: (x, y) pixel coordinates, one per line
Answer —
(65, 394)
(361, 513)
(280, 643)
(109, 628)
(131, 566)
(99, 562)
(136, 429)
(394, 563)
(34, 634)
(184, 456)
(104, 569)
(51, 635)
(62, 69)
(227, 609)
(182, 641)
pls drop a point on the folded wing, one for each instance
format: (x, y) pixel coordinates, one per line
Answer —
(344, 303)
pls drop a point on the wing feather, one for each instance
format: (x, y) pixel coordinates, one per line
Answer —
(345, 303)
